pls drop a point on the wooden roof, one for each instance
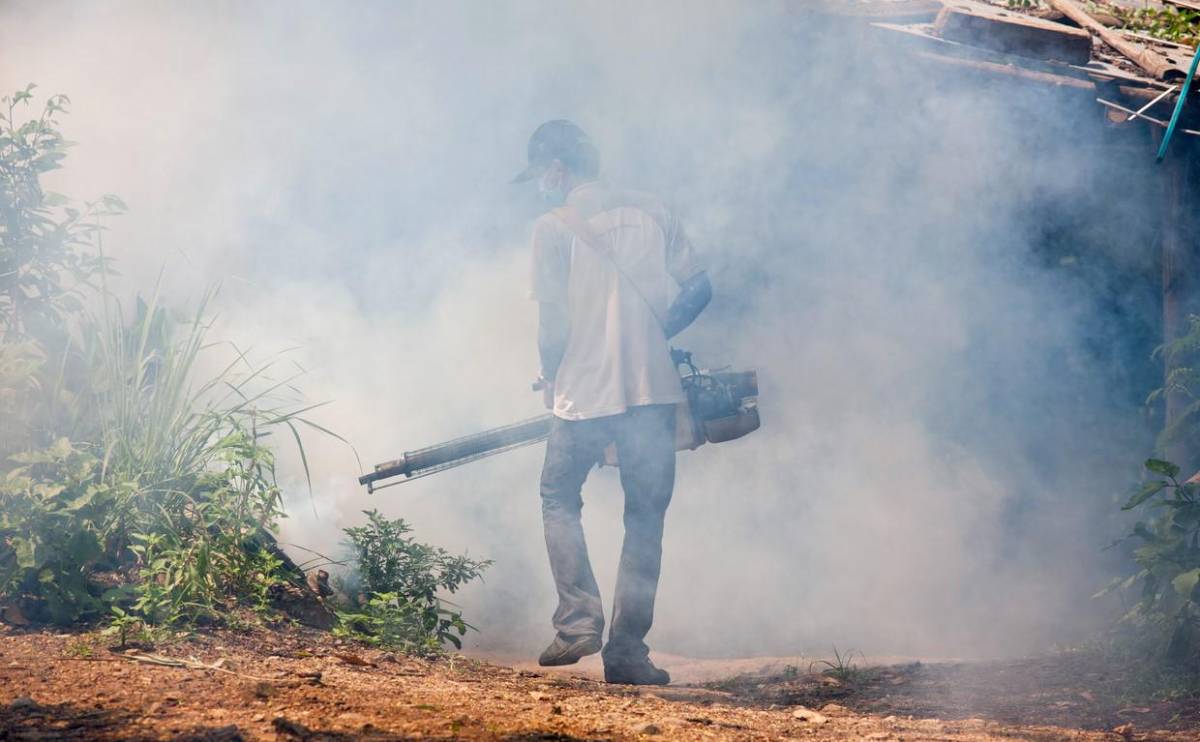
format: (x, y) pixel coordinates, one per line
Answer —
(1132, 75)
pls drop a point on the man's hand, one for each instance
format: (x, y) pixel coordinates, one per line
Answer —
(546, 387)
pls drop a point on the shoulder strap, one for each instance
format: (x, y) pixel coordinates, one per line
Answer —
(579, 227)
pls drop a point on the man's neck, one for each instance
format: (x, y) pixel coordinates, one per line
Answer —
(575, 185)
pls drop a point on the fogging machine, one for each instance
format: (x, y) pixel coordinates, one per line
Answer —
(721, 406)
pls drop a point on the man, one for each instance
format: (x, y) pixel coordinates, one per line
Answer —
(615, 278)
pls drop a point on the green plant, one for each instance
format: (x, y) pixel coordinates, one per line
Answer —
(1179, 25)
(841, 667)
(128, 479)
(82, 648)
(1168, 554)
(175, 491)
(207, 502)
(401, 580)
(47, 247)
(53, 521)
(1181, 356)
(50, 259)
(121, 625)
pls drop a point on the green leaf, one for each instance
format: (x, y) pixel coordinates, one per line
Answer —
(1165, 468)
(1147, 490)
(81, 501)
(60, 449)
(1185, 582)
(1143, 532)
(27, 553)
(113, 203)
(84, 547)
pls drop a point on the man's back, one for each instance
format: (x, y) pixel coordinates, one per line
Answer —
(616, 298)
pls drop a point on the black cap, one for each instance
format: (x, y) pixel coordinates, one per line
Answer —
(557, 140)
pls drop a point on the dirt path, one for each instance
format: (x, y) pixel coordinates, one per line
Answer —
(301, 685)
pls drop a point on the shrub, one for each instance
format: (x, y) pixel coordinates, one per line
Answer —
(54, 514)
(400, 580)
(125, 480)
(169, 491)
(1168, 554)
(1182, 358)
(47, 247)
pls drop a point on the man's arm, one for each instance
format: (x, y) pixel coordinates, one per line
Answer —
(694, 295)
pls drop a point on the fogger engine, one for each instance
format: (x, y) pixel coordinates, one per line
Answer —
(721, 406)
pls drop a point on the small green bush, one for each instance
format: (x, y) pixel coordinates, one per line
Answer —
(1168, 554)
(1182, 358)
(54, 518)
(400, 579)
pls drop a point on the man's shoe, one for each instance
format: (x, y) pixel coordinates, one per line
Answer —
(634, 672)
(569, 650)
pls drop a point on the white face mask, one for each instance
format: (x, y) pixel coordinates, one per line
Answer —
(550, 186)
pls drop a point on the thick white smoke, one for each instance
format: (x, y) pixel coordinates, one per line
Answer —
(940, 433)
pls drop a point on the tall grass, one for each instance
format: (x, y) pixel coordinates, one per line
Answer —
(178, 488)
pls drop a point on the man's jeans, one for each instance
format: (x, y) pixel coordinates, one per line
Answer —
(645, 441)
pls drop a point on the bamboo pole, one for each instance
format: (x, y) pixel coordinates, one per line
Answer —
(1174, 253)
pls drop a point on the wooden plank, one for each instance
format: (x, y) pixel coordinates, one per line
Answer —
(1009, 70)
(1001, 30)
(922, 37)
(921, 34)
(896, 11)
(1102, 70)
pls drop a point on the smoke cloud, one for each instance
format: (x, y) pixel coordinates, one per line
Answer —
(929, 269)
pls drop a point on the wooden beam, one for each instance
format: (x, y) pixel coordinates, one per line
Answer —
(1153, 63)
(922, 38)
(908, 11)
(1008, 70)
(1004, 31)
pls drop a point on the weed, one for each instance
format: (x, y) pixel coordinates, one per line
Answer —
(1179, 25)
(121, 625)
(400, 580)
(1169, 558)
(842, 667)
(83, 648)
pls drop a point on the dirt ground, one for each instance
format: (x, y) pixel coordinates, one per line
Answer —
(304, 685)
